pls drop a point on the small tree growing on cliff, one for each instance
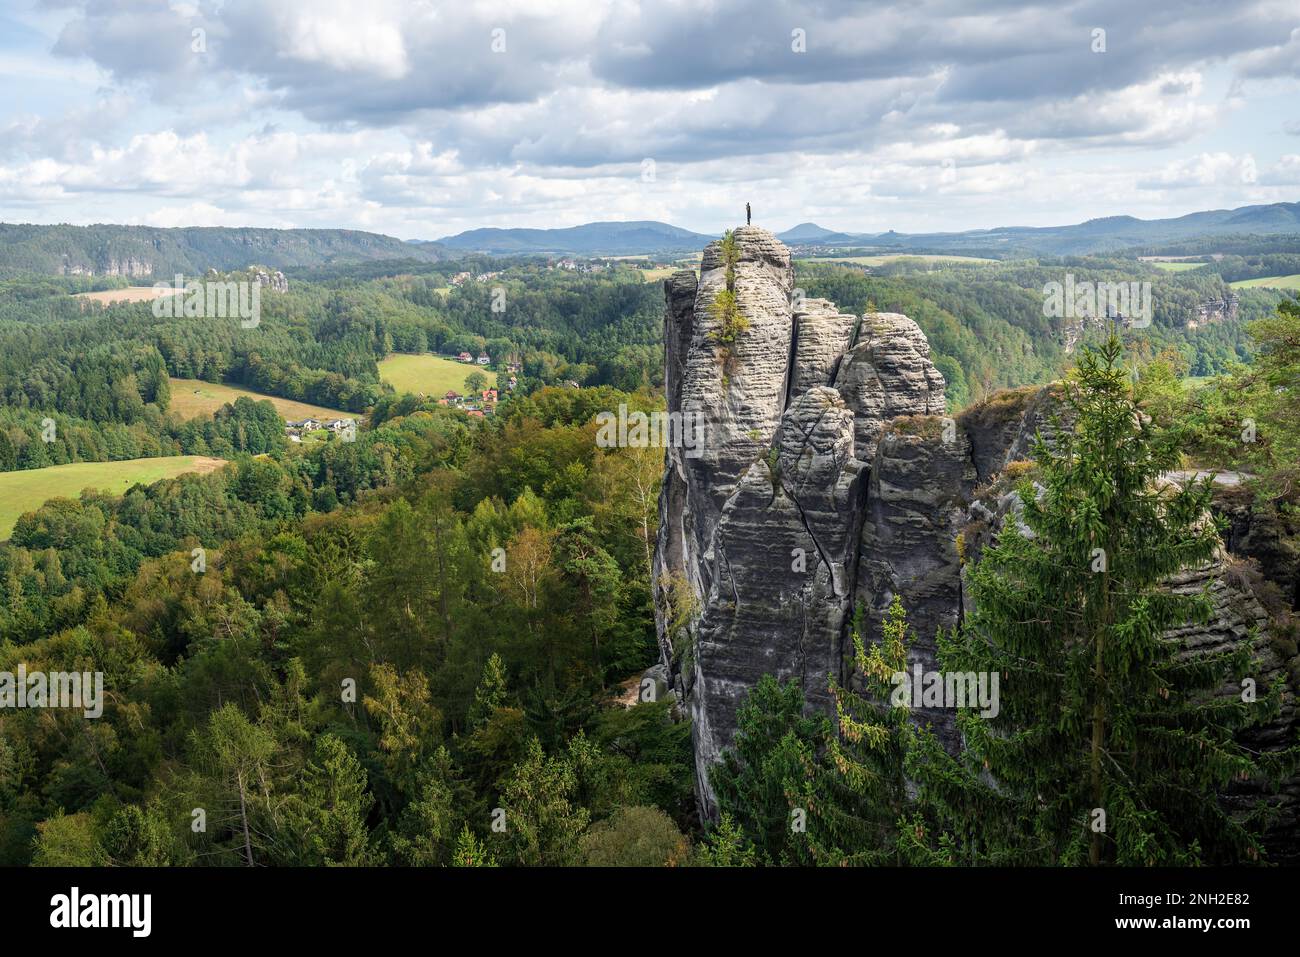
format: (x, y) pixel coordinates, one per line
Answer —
(725, 310)
(1111, 743)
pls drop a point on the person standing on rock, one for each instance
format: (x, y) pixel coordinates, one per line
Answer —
(747, 214)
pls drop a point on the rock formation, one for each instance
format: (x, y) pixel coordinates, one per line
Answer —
(829, 479)
(1216, 310)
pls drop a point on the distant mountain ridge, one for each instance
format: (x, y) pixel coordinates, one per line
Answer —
(1106, 234)
(149, 254)
(154, 253)
(1101, 235)
(609, 238)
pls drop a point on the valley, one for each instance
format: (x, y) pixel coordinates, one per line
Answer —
(742, 441)
(537, 597)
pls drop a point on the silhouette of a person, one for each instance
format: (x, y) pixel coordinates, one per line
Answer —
(748, 214)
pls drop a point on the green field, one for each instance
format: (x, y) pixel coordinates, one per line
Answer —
(430, 374)
(191, 397)
(894, 257)
(1268, 282)
(1176, 267)
(26, 490)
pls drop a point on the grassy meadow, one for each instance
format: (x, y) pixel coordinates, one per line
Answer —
(28, 489)
(1268, 282)
(430, 374)
(191, 397)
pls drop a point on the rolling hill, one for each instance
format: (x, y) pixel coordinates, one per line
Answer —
(812, 233)
(151, 253)
(191, 397)
(1102, 235)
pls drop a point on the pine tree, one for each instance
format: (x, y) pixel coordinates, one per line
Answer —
(593, 578)
(726, 846)
(424, 835)
(325, 820)
(1277, 370)
(769, 783)
(1111, 742)
(867, 793)
(542, 815)
(489, 695)
(471, 852)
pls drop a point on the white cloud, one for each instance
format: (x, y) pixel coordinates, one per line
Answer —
(339, 39)
(1207, 169)
(397, 115)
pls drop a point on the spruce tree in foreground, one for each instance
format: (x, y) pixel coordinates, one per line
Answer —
(1112, 741)
(868, 806)
(768, 783)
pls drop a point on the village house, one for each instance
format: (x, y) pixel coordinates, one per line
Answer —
(465, 357)
(296, 429)
(483, 359)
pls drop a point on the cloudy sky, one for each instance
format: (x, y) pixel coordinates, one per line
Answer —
(420, 119)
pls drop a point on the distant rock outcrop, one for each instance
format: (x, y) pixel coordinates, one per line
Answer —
(1216, 310)
(271, 279)
(829, 478)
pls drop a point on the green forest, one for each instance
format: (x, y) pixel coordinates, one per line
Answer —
(385, 651)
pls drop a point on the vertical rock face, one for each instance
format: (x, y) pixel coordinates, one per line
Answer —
(828, 478)
(762, 527)
(921, 478)
(740, 396)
